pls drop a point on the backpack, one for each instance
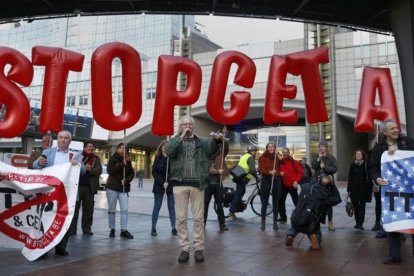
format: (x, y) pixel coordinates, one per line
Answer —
(305, 216)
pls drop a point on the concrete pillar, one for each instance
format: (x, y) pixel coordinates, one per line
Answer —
(147, 169)
(401, 16)
(27, 145)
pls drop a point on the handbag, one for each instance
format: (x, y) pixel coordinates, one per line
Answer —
(237, 172)
(349, 208)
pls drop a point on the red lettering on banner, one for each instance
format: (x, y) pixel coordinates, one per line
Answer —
(58, 195)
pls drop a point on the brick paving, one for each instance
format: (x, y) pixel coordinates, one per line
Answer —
(243, 250)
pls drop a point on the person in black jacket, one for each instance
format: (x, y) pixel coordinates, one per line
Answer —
(321, 194)
(359, 187)
(391, 142)
(162, 187)
(117, 188)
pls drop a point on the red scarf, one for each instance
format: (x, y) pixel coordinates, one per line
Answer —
(88, 158)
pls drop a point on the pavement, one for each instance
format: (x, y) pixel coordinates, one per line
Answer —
(243, 250)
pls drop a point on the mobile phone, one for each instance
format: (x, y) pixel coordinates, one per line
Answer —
(44, 156)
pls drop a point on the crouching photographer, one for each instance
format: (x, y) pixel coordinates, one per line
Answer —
(314, 200)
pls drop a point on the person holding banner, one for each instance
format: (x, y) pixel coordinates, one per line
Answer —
(391, 142)
(218, 172)
(55, 156)
(88, 187)
(162, 188)
(47, 141)
(118, 186)
(189, 157)
(271, 182)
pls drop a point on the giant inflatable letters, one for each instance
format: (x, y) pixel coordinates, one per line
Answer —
(59, 62)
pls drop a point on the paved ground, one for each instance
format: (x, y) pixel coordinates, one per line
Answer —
(244, 250)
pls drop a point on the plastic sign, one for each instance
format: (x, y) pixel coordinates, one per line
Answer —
(59, 62)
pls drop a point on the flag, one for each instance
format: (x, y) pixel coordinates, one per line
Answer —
(397, 197)
(36, 206)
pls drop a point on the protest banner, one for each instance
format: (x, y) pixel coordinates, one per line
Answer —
(397, 197)
(25, 220)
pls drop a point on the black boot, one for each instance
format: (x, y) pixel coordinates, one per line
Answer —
(275, 226)
(263, 225)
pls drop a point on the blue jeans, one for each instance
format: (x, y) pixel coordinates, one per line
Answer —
(112, 196)
(238, 196)
(157, 206)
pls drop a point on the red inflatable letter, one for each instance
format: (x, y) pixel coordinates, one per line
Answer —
(58, 63)
(17, 106)
(373, 78)
(239, 100)
(276, 91)
(167, 95)
(306, 64)
(102, 86)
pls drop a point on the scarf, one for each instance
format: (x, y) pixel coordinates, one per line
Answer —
(269, 155)
(359, 162)
(88, 158)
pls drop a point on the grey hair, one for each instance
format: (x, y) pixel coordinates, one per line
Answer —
(384, 123)
(180, 122)
(67, 132)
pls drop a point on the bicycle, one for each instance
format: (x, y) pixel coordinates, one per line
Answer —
(253, 199)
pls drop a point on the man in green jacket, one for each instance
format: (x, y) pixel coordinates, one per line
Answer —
(189, 174)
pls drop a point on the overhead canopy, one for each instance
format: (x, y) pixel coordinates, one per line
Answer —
(365, 14)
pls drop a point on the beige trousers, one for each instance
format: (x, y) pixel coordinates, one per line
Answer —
(182, 196)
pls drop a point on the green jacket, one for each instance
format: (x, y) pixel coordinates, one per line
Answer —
(204, 149)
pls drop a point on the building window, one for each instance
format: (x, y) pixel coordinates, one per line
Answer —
(83, 100)
(150, 93)
(70, 101)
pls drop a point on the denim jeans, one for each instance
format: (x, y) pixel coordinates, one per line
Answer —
(157, 206)
(238, 196)
(112, 197)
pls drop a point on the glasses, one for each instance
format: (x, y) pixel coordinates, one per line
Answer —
(187, 124)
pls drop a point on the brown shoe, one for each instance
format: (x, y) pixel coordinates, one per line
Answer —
(289, 240)
(184, 257)
(314, 242)
(198, 256)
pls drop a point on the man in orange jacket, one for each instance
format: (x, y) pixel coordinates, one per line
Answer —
(292, 174)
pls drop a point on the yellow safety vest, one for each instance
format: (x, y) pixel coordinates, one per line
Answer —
(243, 163)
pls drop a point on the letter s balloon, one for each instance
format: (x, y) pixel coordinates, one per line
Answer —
(17, 107)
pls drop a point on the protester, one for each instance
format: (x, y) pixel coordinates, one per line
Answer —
(327, 164)
(292, 174)
(314, 201)
(117, 188)
(359, 187)
(189, 169)
(47, 141)
(162, 188)
(269, 168)
(391, 142)
(218, 172)
(140, 175)
(55, 156)
(307, 171)
(88, 187)
(248, 163)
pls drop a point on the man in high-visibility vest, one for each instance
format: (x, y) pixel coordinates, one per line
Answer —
(248, 163)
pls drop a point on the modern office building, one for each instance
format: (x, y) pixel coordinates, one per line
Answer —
(152, 35)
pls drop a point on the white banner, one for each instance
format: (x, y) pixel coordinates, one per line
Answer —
(36, 206)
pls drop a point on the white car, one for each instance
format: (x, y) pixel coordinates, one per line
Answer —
(103, 178)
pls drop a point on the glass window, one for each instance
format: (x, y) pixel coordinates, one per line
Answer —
(83, 100)
(382, 49)
(357, 52)
(391, 49)
(358, 73)
(366, 51)
(70, 101)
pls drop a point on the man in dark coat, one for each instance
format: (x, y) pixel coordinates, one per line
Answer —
(391, 142)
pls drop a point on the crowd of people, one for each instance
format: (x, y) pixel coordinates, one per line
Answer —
(190, 170)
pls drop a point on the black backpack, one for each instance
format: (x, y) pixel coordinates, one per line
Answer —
(305, 216)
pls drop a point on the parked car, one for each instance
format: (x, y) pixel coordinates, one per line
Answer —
(103, 178)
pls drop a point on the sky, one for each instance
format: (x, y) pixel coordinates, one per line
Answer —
(233, 31)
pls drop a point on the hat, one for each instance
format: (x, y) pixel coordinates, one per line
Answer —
(323, 143)
(251, 148)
